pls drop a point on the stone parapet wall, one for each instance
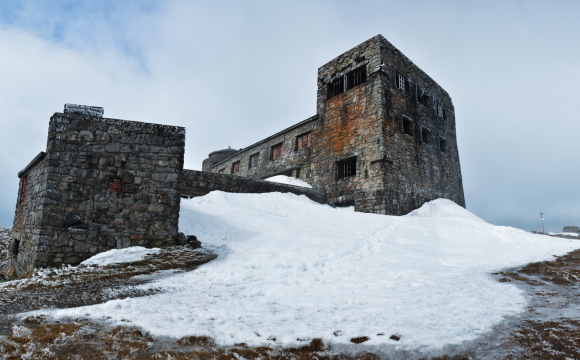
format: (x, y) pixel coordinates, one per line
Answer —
(199, 183)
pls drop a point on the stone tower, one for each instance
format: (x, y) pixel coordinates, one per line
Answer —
(383, 138)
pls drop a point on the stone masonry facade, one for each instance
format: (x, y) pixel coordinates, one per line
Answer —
(383, 138)
(101, 184)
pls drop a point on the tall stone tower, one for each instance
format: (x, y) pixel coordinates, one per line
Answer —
(383, 138)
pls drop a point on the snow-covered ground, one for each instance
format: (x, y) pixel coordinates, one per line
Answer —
(282, 179)
(116, 256)
(289, 269)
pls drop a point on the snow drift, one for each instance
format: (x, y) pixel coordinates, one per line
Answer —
(293, 269)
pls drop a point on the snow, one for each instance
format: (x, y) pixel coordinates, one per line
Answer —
(282, 179)
(293, 269)
(116, 256)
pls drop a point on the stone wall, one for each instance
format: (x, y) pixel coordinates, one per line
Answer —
(28, 230)
(396, 172)
(108, 183)
(199, 183)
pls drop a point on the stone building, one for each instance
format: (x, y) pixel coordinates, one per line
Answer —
(102, 183)
(383, 138)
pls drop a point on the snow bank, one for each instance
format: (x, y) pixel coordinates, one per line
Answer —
(282, 179)
(116, 256)
(293, 269)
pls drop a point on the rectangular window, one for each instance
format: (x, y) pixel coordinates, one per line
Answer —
(336, 87)
(236, 167)
(346, 168)
(276, 152)
(442, 144)
(222, 171)
(422, 96)
(403, 84)
(440, 111)
(24, 187)
(303, 141)
(407, 126)
(356, 77)
(254, 160)
(15, 248)
(426, 135)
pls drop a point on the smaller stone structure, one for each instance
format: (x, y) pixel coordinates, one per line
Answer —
(102, 183)
(572, 229)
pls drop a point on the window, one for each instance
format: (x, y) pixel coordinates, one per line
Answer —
(356, 77)
(403, 84)
(346, 168)
(440, 110)
(222, 171)
(422, 96)
(15, 248)
(276, 152)
(426, 135)
(254, 160)
(442, 144)
(236, 167)
(336, 87)
(303, 141)
(407, 126)
(24, 187)
(115, 184)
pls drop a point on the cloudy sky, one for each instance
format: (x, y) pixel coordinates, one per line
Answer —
(234, 72)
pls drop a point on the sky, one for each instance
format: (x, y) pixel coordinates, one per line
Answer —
(235, 72)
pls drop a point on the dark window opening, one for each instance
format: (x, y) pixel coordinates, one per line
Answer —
(346, 203)
(407, 126)
(356, 77)
(346, 168)
(422, 97)
(276, 152)
(426, 135)
(403, 84)
(442, 144)
(24, 187)
(222, 171)
(115, 184)
(236, 167)
(303, 141)
(254, 160)
(336, 87)
(15, 247)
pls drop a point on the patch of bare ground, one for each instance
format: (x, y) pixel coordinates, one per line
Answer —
(86, 285)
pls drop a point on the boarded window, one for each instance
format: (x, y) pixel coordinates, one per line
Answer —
(24, 187)
(254, 160)
(356, 77)
(336, 87)
(442, 144)
(440, 110)
(303, 141)
(236, 167)
(346, 168)
(426, 135)
(276, 152)
(115, 184)
(407, 126)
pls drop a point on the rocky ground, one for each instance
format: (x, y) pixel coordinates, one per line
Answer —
(549, 329)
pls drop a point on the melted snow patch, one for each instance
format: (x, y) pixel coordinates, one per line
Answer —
(116, 256)
(282, 179)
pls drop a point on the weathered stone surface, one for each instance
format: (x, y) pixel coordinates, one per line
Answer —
(572, 229)
(81, 193)
(396, 171)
